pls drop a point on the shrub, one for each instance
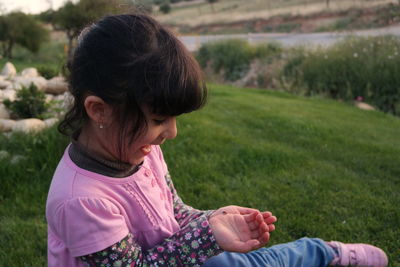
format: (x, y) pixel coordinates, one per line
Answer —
(269, 50)
(367, 67)
(231, 56)
(29, 103)
(165, 7)
(47, 71)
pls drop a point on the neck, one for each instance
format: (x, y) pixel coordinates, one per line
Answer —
(96, 141)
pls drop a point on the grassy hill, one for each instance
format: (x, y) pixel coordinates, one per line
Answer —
(324, 168)
(226, 11)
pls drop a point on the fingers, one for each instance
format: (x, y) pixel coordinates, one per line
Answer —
(264, 239)
(251, 217)
(253, 225)
(266, 214)
(244, 210)
(256, 222)
(270, 220)
(247, 246)
(271, 227)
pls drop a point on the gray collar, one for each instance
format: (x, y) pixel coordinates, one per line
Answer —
(91, 161)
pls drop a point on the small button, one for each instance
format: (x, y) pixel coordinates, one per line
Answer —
(147, 173)
(153, 182)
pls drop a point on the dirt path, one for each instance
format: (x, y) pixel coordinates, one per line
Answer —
(287, 39)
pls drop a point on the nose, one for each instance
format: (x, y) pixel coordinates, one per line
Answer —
(170, 131)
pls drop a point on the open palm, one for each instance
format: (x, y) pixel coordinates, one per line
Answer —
(239, 232)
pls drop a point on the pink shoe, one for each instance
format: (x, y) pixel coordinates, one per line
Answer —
(361, 255)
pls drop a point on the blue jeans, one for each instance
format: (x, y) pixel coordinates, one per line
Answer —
(305, 252)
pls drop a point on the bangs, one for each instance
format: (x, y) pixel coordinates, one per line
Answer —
(170, 81)
(180, 90)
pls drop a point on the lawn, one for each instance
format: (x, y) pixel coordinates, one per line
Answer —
(324, 168)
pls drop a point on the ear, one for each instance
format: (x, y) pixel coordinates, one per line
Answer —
(98, 111)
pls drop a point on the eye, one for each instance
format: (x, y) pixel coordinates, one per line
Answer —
(159, 121)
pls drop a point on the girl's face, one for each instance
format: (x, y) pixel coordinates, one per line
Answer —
(159, 128)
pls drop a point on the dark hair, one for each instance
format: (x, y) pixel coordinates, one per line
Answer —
(130, 60)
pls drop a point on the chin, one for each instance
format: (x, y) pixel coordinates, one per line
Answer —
(136, 161)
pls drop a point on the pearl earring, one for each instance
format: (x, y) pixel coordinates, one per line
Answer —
(101, 126)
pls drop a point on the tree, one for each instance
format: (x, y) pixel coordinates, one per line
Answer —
(20, 28)
(73, 17)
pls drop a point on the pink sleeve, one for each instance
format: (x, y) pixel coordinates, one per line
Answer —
(87, 225)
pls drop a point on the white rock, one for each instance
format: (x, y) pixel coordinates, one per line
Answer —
(14, 86)
(29, 125)
(40, 82)
(364, 106)
(4, 154)
(49, 97)
(8, 135)
(4, 114)
(17, 159)
(9, 70)
(56, 85)
(8, 94)
(30, 73)
(6, 125)
(4, 84)
(50, 122)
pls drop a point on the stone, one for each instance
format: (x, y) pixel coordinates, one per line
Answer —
(50, 122)
(4, 114)
(4, 84)
(29, 125)
(6, 125)
(9, 70)
(14, 86)
(9, 94)
(65, 100)
(40, 82)
(17, 159)
(56, 85)
(4, 154)
(364, 106)
(30, 73)
(49, 98)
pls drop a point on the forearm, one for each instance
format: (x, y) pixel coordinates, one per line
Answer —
(184, 213)
(191, 246)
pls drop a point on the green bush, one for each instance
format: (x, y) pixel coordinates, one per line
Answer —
(234, 56)
(30, 103)
(165, 7)
(231, 56)
(366, 67)
(268, 50)
(47, 71)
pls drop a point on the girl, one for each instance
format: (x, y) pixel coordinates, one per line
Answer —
(112, 202)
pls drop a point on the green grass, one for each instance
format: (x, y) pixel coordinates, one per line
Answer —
(50, 54)
(324, 168)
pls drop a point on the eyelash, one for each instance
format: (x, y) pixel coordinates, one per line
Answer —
(158, 122)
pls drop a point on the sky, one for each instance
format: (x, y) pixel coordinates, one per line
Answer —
(30, 6)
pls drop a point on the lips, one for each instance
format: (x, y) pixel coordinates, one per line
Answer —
(146, 149)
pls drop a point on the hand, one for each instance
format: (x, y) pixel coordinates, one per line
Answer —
(266, 215)
(240, 229)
